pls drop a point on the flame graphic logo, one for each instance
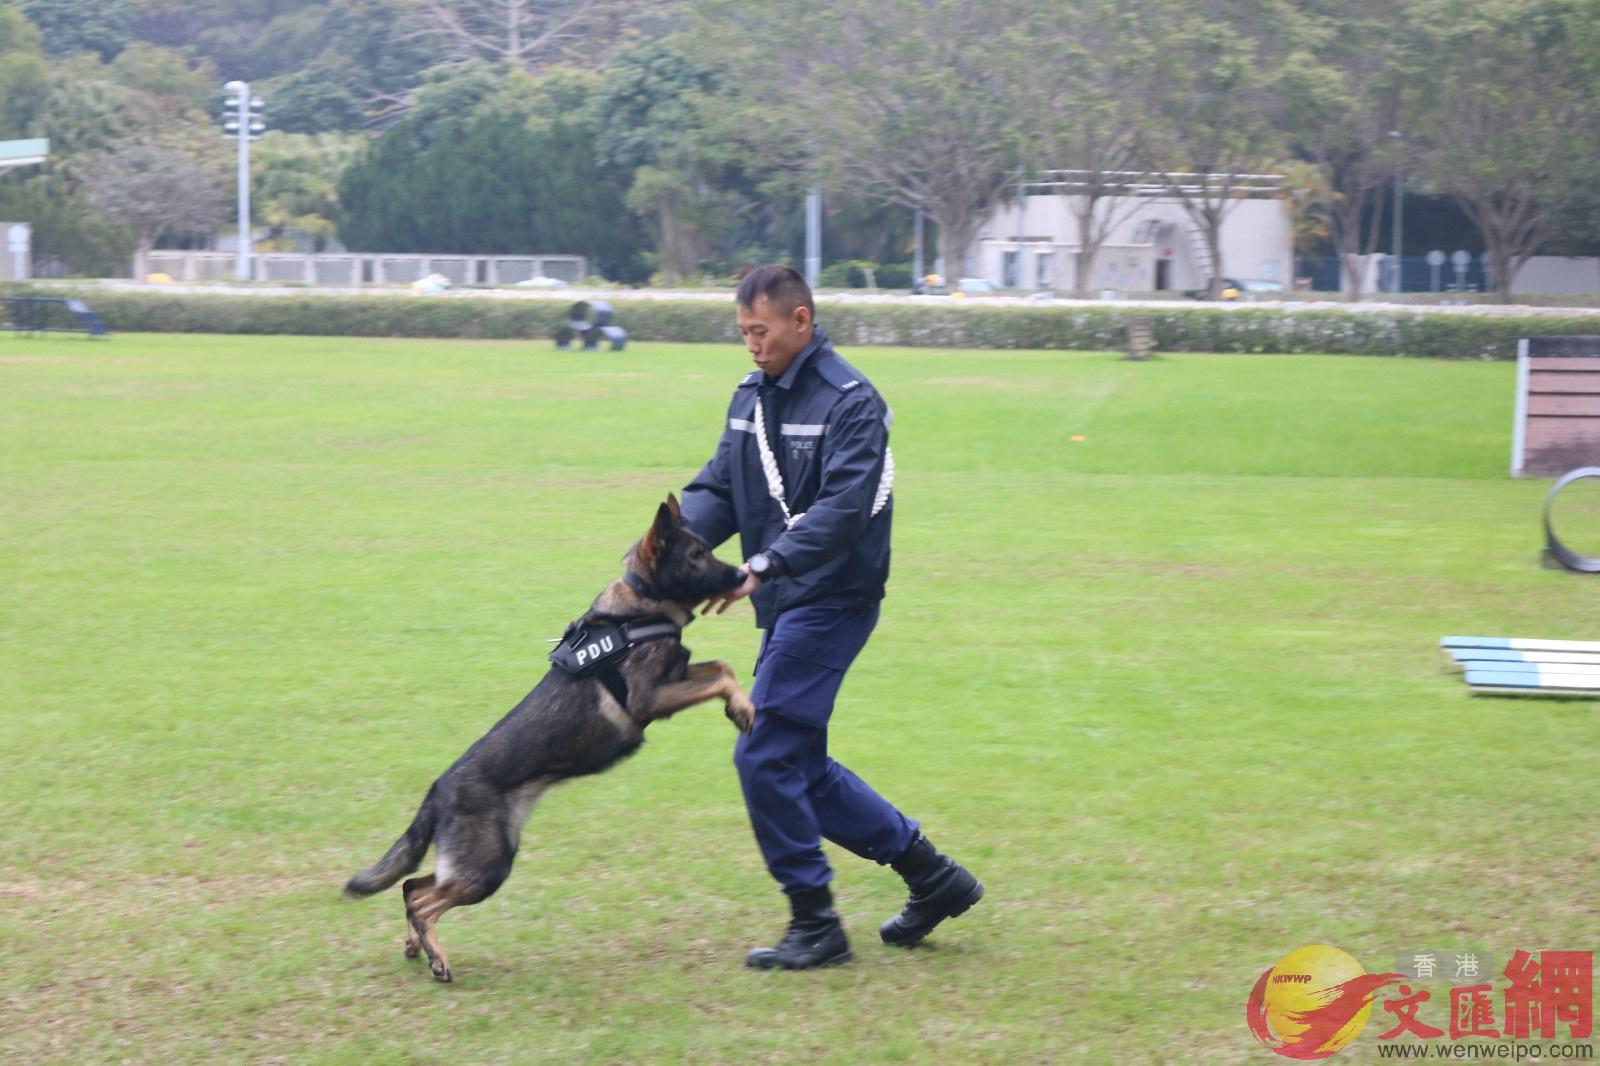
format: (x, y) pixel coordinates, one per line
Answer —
(1313, 1002)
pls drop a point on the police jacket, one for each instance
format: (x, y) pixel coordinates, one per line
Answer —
(829, 430)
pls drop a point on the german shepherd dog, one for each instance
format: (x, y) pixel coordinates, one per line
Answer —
(568, 726)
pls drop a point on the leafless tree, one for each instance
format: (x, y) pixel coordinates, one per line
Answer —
(156, 190)
(531, 33)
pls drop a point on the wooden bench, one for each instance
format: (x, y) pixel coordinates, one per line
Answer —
(1557, 424)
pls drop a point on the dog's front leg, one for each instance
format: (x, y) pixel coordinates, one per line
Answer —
(705, 681)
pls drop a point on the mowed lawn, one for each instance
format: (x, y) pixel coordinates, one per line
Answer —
(1173, 691)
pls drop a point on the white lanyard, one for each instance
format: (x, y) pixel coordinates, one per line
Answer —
(769, 466)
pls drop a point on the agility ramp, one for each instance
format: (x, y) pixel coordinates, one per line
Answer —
(1526, 666)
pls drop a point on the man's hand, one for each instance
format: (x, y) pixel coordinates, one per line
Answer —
(728, 599)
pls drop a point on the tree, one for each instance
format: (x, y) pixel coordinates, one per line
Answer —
(101, 26)
(1507, 123)
(488, 161)
(1338, 96)
(24, 79)
(1085, 62)
(154, 190)
(314, 100)
(1215, 62)
(656, 120)
(295, 181)
(69, 236)
(892, 98)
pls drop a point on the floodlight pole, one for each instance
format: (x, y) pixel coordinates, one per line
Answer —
(916, 253)
(813, 235)
(242, 264)
(1399, 202)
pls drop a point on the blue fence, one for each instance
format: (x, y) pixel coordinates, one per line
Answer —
(1415, 275)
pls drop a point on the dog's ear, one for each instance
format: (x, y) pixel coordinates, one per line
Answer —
(677, 512)
(660, 532)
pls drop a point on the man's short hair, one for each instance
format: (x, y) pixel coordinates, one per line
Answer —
(783, 287)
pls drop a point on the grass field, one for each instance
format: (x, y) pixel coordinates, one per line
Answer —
(1172, 691)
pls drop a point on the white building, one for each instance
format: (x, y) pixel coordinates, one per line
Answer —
(1153, 244)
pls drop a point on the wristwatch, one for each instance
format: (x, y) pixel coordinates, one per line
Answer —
(763, 565)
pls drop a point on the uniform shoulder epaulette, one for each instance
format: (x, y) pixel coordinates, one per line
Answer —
(840, 374)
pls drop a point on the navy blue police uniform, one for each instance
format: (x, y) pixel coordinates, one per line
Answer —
(828, 430)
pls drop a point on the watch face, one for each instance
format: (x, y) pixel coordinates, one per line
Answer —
(760, 564)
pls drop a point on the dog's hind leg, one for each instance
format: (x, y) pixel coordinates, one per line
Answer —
(407, 890)
(430, 906)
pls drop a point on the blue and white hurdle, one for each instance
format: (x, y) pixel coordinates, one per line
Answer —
(1524, 666)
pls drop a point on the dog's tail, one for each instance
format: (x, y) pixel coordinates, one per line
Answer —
(402, 858)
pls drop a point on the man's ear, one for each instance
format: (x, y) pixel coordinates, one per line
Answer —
(802, 317)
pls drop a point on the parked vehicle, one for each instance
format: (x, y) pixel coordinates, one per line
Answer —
(1233, 288)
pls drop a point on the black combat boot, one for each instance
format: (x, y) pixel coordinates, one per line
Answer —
(815, 937)
(940, 888)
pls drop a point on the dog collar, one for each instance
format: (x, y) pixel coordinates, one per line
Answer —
(640, 585)
(649, 592)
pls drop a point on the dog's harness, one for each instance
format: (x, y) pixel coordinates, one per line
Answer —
(597, 650)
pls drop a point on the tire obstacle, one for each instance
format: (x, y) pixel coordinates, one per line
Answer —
(589, 323)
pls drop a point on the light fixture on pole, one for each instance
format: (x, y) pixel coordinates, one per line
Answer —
(241, 119)
(1399, 202)
(813, 236)
(917, 275)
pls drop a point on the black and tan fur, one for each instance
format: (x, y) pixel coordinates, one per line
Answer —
(566, 727)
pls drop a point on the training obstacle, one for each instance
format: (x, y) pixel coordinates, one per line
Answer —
(49, 314)
(1556, 424)
(1526, 666)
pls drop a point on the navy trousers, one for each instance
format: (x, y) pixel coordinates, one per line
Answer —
(795, 793)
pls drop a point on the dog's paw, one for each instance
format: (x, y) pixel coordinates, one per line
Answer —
(742, 713)
(412, 949)
(441, 973)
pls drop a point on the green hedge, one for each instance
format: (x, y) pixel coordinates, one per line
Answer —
(1182, 328)
(852, 274)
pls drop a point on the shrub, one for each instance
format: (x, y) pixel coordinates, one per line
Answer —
(845, 274)
(972, 324)
(852, 274)
(894, 275)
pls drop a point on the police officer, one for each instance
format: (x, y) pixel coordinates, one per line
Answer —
(800, 475)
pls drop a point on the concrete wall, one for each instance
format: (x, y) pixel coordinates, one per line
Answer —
(1257, 242)
(1555, 275)
(323, 268)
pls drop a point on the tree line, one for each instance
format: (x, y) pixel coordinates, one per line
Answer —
(675, 138)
